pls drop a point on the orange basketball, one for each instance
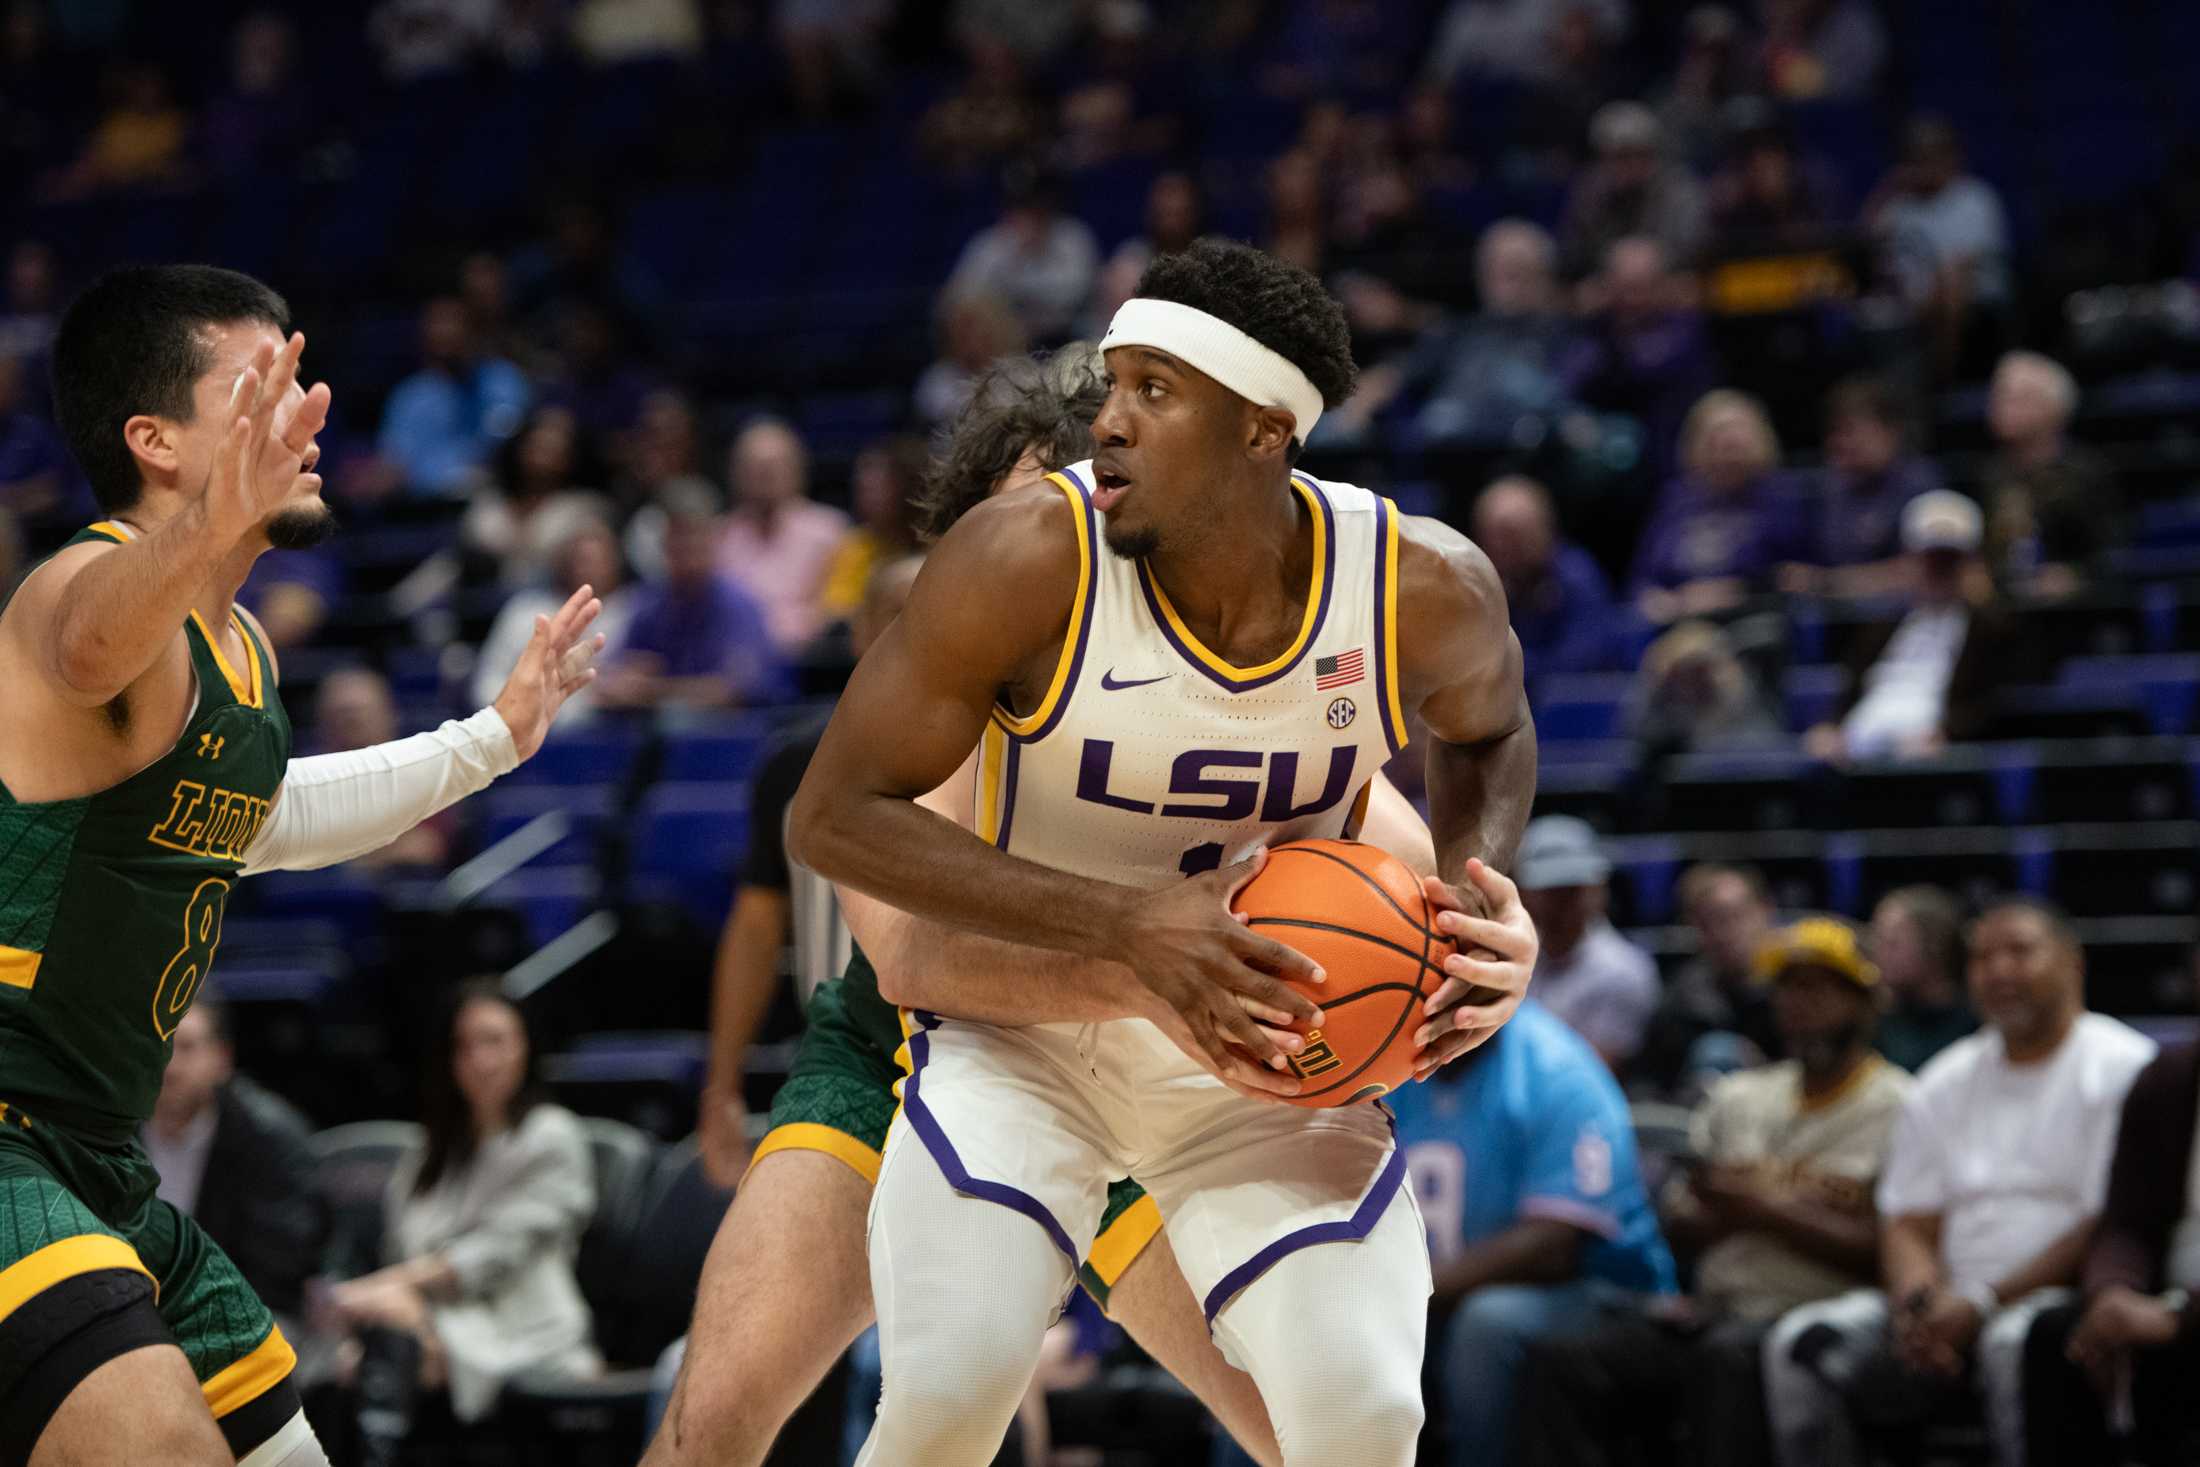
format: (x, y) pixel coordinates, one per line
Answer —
(1360, 913)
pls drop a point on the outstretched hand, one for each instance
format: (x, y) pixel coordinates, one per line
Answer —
(260, 458)
(1486, 979)
(559, 661)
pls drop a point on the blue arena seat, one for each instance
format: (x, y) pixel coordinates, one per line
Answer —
(507, 808)
(721, 750)
(597, 752)
(1581, 705)
(693, 834)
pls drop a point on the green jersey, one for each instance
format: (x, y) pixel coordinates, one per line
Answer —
(111, 904)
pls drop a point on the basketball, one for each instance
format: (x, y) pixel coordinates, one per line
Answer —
(1360, 913)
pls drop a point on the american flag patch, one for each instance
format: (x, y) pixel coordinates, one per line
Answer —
(1335, 672)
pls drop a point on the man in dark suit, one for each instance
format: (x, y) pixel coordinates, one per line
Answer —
(235, 1157)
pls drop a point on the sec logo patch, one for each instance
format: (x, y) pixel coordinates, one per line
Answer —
(1341, 713)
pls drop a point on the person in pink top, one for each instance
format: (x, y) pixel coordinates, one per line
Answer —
(779, 544)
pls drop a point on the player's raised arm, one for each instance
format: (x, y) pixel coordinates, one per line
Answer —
(98, 615)
(1461, 669)
(334, 807)
(989, 614)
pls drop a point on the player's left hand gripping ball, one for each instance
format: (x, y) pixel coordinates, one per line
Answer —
(559, 661)
(1485, 981)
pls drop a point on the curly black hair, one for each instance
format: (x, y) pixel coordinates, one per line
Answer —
(1276, 303)
(1042, 404)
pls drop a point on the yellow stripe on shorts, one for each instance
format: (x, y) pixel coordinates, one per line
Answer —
(242, 1382)
(1115, 1250)
(810, 1136)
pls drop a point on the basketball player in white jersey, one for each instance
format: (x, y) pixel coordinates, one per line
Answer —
(1147, 720)
(787, 1287)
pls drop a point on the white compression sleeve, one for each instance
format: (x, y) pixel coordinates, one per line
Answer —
(293, 1445)
(337, 806)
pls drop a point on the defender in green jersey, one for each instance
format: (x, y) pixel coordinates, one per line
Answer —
(145, 765)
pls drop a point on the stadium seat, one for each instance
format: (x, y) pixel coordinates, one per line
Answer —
(1975, 863)
(651, 1080)
(586, 809)
(599, 752)
(352, 1169)
(721, 750)
(693, 834)
(1775, 790)
(2127, 870)
(1596, 791)
(2115, 779)
(624, 1159)
(1957, 788)
(1584, 705)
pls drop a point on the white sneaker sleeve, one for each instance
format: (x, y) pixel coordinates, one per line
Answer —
(333, 807)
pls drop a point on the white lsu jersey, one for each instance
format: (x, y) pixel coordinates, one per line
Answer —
(1151, 759)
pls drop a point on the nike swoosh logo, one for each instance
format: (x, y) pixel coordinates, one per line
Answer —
(1109, 683)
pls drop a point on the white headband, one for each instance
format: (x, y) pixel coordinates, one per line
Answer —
(1220, 350)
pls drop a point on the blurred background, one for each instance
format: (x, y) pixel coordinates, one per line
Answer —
(1748, 340)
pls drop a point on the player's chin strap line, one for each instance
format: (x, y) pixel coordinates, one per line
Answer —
(337, 806)
(1223, 352)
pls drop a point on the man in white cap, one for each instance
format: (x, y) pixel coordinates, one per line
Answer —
(1601, 984)
(1926, 680)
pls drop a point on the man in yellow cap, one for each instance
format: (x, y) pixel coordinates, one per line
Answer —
(1775, 1199)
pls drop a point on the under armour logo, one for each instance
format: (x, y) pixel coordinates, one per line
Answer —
(210, 746)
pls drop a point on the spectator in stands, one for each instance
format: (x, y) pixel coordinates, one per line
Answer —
(260, 120)
(592, 375)
(1993, 1184)
(1555, 592)
(1643, 351)
(424, 38)
(991, 116)
(236, 1158)
(1602, 985)
(1767, 201)
(37, 485)
(1823, 49)
(1037, 258)
(1631, 188)
(761, 923)
(1176, 215)
(1713, 70)
(664, 455)
(2052, 503)
(1298, 210)
(1693, 695)
(355, 709)
(1714, 1015)
(1721, 529)
(1775, 1200)
(30, 314)
(576, 258)
(1871, 476)
(698, 640)
(138, 141)
(831, 49)
(1516, 40)
(614, 32)
(1393, 261)
(1479, 378)
(887, 475)
(540, 489)
(976, 330)
(586, 554)
(2128, 1349)
(1917, 940)
(1944, 241)
(1124, 100)
(484, 1220)
(1546, 1226)
(442, 423)
(1924, 680)
(779, 543)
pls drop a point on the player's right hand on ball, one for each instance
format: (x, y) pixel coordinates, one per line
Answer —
(271, 426)
(1223, 981)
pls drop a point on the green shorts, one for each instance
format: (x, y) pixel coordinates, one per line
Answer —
(80, 1222)
(840, 1099)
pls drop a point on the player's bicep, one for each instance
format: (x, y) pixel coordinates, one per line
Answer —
(1461, 662)
(32, 625)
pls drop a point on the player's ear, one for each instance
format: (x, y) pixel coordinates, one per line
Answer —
(1272, 428)
(153, 442)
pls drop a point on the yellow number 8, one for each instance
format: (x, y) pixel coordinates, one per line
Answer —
(202, 933)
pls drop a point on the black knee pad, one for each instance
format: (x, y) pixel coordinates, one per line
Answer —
(61, 1335)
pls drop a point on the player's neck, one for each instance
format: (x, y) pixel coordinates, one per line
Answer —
(1261, 555)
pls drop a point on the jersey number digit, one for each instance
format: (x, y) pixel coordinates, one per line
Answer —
(1200, 860)
(202, 933)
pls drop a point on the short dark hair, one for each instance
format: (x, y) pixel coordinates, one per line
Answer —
(1939, 923)
(1867, 395)
(2052, 916)
(135, 342)
(1273, 301)
(1040, 404)
(1696, 881)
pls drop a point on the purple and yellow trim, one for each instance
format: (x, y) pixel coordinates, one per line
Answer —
(916, 1050)
(1244, 679)
(1351, 1230)
(1386, 623)
(826, 1141)
(1040, 722)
